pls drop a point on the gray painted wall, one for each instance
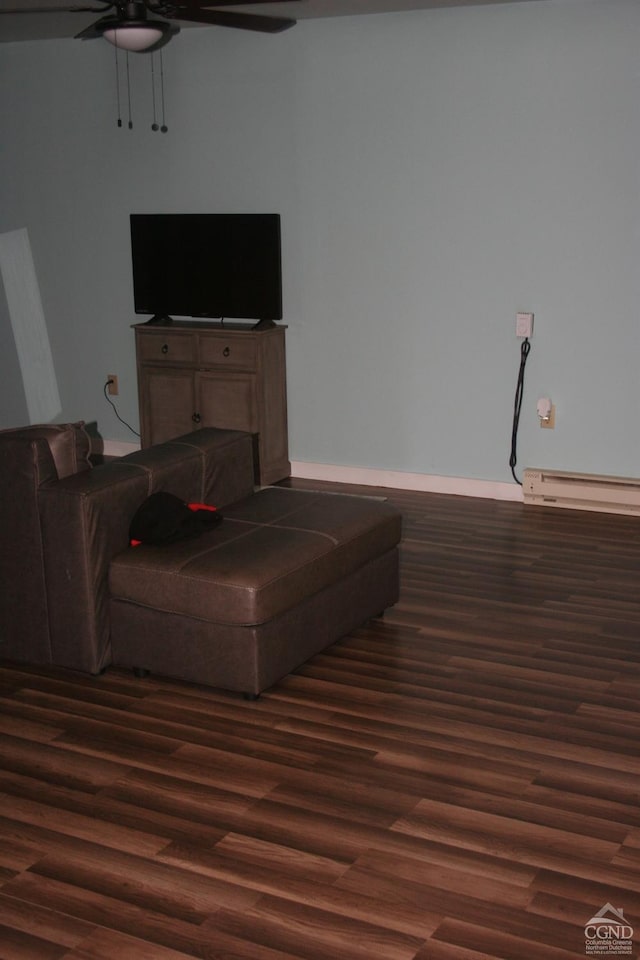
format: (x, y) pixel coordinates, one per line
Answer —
(436, 172)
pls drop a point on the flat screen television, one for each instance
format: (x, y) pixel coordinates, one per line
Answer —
(209, 265)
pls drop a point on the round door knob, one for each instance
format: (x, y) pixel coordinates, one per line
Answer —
(165, 348)
(226, 352)
(196, 418)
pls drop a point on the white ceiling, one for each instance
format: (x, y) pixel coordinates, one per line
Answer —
(57, 24)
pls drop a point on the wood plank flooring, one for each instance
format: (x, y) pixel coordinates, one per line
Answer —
(457, 781)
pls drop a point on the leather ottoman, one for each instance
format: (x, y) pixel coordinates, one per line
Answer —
(286, 574)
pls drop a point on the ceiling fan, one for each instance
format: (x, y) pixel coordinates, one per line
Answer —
(133, 26)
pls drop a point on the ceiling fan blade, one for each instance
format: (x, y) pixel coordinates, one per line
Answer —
(207, 6)
(241, 21)
(193, 11)
(71, 9)
(94, 32)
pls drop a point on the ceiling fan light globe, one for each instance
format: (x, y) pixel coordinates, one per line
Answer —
(133, 38)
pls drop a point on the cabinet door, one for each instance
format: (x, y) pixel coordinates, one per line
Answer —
(168, 404)
(228, 401)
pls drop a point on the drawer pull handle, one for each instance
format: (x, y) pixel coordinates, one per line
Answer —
(164, 348)
(196, 418)
(226, 352)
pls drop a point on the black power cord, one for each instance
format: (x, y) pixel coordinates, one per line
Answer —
(524, 353)
(109, 400)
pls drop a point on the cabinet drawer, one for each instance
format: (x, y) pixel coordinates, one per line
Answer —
(168, 347)
(237, 353)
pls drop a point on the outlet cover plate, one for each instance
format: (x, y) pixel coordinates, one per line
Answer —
(524, 324)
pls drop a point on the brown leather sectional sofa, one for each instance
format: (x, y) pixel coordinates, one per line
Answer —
(286, 573)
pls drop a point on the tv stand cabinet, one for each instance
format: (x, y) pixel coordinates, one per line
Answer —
(193, 375)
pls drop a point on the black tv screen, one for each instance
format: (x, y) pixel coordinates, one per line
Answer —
(207, 265)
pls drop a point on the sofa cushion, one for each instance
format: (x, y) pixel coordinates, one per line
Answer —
(274, 549)
(69, 444)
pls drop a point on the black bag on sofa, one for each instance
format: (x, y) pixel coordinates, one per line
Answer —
(164, 518)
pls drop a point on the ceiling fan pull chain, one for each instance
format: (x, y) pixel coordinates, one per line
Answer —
(129, 92)
(154, 125)
(164, 126)
(118, 87)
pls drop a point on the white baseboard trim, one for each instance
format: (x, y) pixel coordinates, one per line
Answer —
(371, 477)
(425, 483)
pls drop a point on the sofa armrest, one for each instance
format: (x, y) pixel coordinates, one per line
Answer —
(85, 522)
(25, 464)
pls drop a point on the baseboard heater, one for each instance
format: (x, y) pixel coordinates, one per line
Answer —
(581, 491)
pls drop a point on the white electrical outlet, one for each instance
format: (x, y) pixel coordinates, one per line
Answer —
(524, 324)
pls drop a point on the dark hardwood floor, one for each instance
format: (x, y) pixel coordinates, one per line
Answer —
(457, 781)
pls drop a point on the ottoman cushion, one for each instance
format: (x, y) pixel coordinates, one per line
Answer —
(272, 551)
